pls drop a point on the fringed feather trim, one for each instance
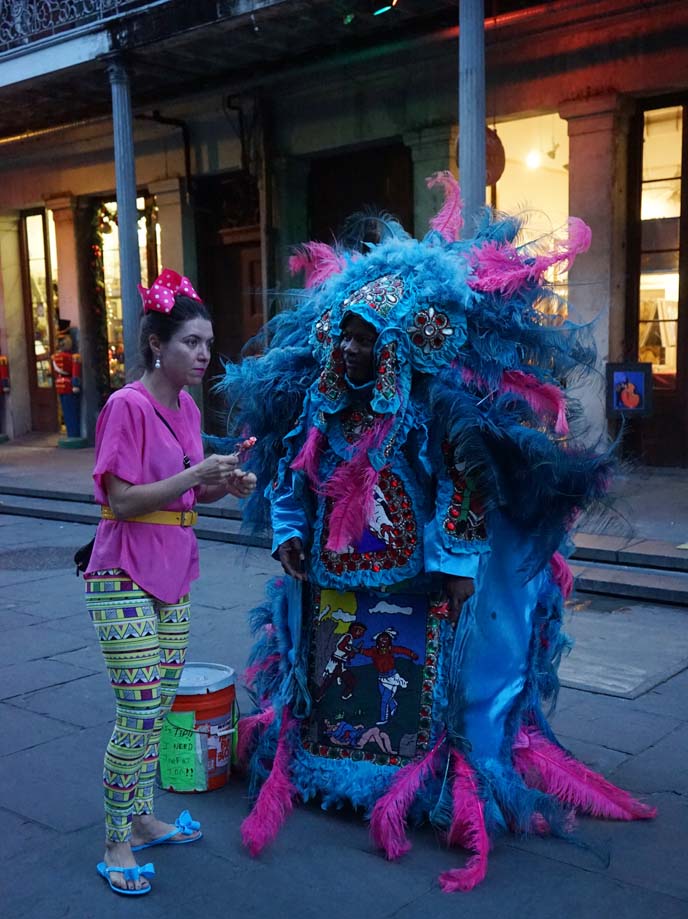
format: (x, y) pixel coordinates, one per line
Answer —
(354, 484)
(248, 677)
(448, 222)
(274, 802)
(545, 399)
(561, 574)
(467, 829)
(340, 782)
(352, 488)
(388, 819)
(507, 268)
(318, 261)
(247, 729)
(308, 457)
(544, 765)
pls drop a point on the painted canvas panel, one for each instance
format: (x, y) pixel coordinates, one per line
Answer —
(372, 669)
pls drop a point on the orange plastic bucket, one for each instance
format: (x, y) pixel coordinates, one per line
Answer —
(197, 737)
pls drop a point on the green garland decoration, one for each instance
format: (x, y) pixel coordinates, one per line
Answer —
(98, 306)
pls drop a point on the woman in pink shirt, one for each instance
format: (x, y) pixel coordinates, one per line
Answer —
(149, 474)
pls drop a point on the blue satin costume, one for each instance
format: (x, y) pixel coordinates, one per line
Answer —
(454, 460)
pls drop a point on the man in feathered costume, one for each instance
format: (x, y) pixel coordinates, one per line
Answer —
(415, 448)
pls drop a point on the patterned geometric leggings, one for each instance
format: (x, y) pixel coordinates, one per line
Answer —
(144, 643)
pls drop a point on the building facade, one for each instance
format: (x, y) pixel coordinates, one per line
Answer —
(264, 125)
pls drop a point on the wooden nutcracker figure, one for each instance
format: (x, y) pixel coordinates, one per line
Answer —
(67, 372)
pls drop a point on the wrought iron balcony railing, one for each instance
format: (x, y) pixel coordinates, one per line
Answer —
(26, 21)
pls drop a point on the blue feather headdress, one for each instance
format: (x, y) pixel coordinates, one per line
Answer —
(470, 328)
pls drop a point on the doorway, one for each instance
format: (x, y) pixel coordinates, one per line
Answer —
(657, 318)
(232, 287)
(380, 178)
(39, 284)
(230, 274)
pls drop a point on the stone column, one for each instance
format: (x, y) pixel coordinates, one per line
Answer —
(15, 408)
(472, 109)
(125, 178)
(67, 257)
(598, 130)
(433, 149)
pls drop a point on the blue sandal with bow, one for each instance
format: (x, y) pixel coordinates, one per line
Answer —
(130, 874)
(185, 825)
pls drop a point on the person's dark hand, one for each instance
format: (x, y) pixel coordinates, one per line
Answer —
(458, 590)
(240, 483)
(292, 557)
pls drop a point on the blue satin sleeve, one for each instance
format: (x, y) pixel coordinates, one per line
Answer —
(288, 516)
(460, 562)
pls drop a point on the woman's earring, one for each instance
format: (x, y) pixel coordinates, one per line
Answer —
(157, 365)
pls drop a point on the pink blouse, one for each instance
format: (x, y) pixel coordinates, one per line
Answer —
(134, 444)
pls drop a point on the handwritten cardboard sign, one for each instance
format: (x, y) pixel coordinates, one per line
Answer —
(180, 764)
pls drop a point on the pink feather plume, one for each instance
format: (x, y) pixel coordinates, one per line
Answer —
(247, 728)
(318, 261)
(308, 457)
(561, 574)
(546, 399)
(388, 819)
(467, 830)
(274, 802)
(546, 766)
(506, 268)
(249, 675)
(448, 222)
(539, 825)
(352, 488)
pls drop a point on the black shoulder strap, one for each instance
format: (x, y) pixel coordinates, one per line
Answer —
(187, 461)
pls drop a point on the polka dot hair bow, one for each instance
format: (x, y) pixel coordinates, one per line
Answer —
(160, 295)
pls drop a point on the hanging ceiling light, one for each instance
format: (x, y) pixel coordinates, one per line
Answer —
(533, 159)
(367, 8)
(378, 7)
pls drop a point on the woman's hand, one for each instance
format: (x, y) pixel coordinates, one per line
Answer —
(216, 470)
(213, 478)
(291, 556)
(458, 590)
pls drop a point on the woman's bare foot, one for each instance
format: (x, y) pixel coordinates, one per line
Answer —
(147, 828)
(119, 854)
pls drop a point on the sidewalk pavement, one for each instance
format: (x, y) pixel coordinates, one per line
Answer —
(55, 718)
(650, 503)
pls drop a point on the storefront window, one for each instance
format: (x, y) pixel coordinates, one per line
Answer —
(42, 291)
(535, 182)
(149, 250)
(660, 215)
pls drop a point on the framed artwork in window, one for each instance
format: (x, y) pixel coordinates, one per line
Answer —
(629, 389)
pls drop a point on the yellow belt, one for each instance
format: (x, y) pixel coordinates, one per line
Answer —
(169, 518)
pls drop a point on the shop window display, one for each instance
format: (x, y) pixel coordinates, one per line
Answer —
(658, 316)
(42, 278)
(149, 248)
(535, 181)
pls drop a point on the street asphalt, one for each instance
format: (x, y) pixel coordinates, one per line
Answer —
(56, 712)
